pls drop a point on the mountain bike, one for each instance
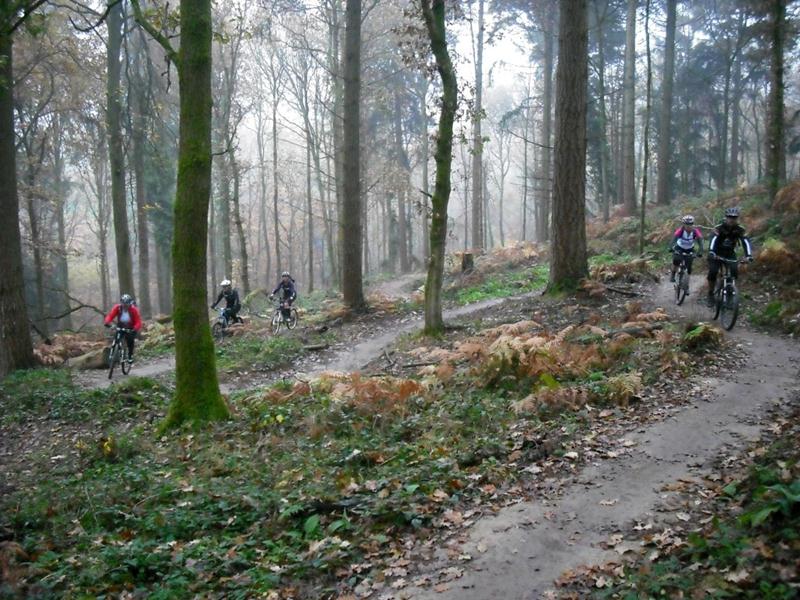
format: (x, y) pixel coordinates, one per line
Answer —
(726, 296)
(221, 324)
(279, 318)
(118, 353)
(682, 279)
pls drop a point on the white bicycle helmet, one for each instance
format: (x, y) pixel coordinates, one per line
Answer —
(225, 283)
(733, 211)
(688, 220)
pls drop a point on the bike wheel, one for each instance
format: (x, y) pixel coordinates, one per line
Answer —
(277, 319)
(291, 323)
(729, 310)
(217, 331)
(126, 366)
(681, 288)
(113, 359)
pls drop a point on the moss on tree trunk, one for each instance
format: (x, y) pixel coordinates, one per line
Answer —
(434, 15)
(197, 397)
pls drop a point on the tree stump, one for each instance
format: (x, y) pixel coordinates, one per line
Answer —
(467, 262)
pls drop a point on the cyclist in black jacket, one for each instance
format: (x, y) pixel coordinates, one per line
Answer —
(727, 235)
(288, 293)
(232, 303)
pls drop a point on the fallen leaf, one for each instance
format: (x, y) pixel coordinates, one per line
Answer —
(737, 576)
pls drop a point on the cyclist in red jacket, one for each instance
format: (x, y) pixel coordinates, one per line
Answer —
(127, 316)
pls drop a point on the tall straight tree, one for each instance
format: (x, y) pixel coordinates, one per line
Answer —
(568, 247)
(477, 140)
(137, 95)
(629, 113)
(663, 192)
(433, 12)
(543, 187)
(351, 226)
(775, 151)
(197, 397)
(16, 346)
(115, 150)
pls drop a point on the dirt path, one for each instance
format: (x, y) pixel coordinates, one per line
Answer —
(520, 551)
(348, 359)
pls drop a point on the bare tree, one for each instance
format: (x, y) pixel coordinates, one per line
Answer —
(114, 22)
(628, 170)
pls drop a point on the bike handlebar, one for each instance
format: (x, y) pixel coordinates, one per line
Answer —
(730, 261)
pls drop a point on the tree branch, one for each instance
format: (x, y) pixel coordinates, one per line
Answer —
(159, 37)
(26, 12)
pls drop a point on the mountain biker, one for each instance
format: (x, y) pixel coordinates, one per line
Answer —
(288, 293)
(232, 303)
(683, 241)
(726, 236)
(128, 317)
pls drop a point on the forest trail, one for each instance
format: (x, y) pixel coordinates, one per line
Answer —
(520, 551)
(348, 359)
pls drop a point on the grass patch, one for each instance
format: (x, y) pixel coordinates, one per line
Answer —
(501, 285)
(264, 353)
(54, 395)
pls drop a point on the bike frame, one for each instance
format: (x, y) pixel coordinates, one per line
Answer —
(725, 280)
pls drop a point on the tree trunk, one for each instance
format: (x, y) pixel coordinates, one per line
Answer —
(275, 214)
(544, 170)
(16, 347)
(240, 232)
(525, 130)
(775, 146)
(143, 237)
(426, 246)
(336, 64)
(478, 240)
(197, 398)
(735, 121)
(262, 201)
(33, 205)
(629, 113)
(309, 211)
(646, 135)
(116, 153)
(224, 214)
(663, 191)
(352, 286)
(402, 185)
(434, 14)
(568, 248)
(60, 259)
(605, 200)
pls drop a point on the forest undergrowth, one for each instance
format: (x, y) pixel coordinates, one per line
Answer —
(334, 485)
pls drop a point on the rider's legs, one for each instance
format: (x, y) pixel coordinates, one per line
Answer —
(129, 338)
(713, 269)
(677, 257)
